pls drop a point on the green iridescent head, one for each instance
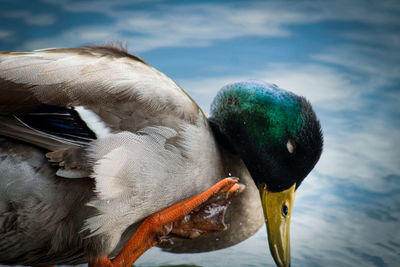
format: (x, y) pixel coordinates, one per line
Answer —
(279, 138)
(275, 132)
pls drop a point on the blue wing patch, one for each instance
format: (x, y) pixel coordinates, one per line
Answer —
(63, 122)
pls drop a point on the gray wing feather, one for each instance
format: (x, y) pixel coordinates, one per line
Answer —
(125, 92)
(92, 77)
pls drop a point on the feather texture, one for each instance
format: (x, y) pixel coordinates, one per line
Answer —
(88, 76)
(132, 171)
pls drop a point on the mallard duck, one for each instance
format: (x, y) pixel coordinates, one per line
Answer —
(93, 140)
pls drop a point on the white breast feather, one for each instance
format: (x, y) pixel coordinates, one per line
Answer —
(139, 174)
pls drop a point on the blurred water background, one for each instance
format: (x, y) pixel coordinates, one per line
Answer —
(342, 55)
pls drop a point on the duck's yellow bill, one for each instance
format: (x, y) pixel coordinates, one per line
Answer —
(277, 208)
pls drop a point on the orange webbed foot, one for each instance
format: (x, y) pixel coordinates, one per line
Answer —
(176, 220)
(206, 218)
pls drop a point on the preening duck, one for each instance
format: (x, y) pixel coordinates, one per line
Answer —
(93, 141)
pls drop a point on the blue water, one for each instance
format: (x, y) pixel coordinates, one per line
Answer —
(342, 55)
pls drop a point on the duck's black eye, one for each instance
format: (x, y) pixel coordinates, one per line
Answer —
(285, 210)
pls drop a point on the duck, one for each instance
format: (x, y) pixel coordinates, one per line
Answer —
(99, 150)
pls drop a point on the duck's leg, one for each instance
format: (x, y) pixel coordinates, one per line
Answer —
(159, 224)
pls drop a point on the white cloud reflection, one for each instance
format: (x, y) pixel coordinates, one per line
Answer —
(323, 86)
(170, 25)
(31, 17)
(5, 34)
